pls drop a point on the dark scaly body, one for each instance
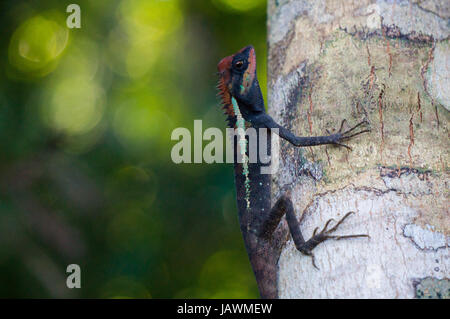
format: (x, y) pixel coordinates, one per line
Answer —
(258, 220)
(263, 253)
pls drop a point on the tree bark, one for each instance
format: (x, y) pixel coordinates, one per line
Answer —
(386, 62)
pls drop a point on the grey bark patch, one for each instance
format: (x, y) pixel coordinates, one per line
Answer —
(425, 239)
(277, 54)
(440, 8)
(407, 180)
(438, 75)
(284, 95)
(315, 170)
(398, 172)
(284, 15)
(409, 17)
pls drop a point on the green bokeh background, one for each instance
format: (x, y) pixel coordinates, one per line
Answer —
(85, 170)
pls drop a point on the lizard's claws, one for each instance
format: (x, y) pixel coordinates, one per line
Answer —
(326, 234)
(345, 135)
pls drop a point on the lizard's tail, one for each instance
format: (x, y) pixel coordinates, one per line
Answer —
(266, 273)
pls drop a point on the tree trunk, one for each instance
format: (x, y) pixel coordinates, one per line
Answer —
(386, 62)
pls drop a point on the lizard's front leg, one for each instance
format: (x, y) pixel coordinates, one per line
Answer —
(284, 207)
(263, 120)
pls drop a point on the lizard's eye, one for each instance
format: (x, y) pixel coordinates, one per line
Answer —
(239, 64)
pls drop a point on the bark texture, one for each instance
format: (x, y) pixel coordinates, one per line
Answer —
(387, 62)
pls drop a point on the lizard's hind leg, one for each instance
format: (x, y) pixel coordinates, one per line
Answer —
(325, 234)
(284, 206)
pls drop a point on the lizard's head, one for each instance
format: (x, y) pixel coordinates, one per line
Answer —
(237, 79)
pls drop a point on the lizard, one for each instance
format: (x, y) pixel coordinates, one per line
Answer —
(242, 102)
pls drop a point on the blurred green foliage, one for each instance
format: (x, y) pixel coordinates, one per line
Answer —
(85, 170)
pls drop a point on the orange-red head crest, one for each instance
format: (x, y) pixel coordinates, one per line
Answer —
(237, 77)
(224, 86)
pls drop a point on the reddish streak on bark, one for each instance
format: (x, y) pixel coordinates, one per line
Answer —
(437, 115)
(372, 68)
(411, 137)
(390, 57)
(419, 106)
(372, 73)
(388, 51)
(310, 112)
(310, 120)
(380, 112)
(328, 156)
(424, 82)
